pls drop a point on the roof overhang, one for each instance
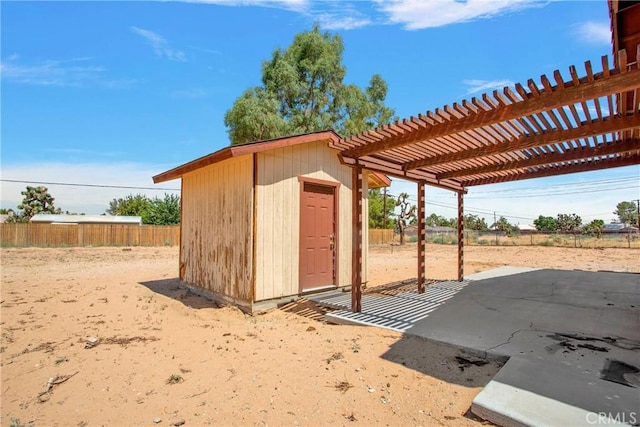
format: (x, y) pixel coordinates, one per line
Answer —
(377, 180)
(241, 150)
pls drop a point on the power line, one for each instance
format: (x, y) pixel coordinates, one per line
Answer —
(467, 208)
(530, 195)
(567, 184)
(69, 184)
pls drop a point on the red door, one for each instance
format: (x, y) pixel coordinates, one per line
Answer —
(317, 234)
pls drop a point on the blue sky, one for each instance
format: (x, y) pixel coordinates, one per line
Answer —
(111, 93)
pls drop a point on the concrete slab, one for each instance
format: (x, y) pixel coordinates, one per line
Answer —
(566, 323)
(534, 393)
(506, 270)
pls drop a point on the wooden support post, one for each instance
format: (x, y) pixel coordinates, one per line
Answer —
(460, 236)
(421, 237)
(356, 243)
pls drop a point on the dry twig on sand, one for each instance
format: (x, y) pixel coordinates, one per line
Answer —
(53, 381)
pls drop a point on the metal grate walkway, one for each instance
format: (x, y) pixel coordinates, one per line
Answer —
(397, 312)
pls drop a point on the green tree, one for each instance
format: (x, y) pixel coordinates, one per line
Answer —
(36, 200)
(132, 205)
(568, 223)
(303, 91)
(595, 227)
(627, 213)
(377, 209)
(156, 211)
(503, 225)
(165, 211)
(474, 222)
(435, 220)
(545, 223)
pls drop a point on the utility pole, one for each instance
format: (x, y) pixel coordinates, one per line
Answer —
(384, 209)
(495, 226)
(637, 220)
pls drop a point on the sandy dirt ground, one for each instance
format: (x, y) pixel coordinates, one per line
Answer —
(105, 336)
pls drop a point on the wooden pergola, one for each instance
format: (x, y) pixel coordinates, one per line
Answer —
(576, 122)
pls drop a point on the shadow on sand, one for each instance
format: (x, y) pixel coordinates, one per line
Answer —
(441, 361)
(171, 288)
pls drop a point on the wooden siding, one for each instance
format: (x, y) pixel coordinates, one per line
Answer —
(278, 215)
(217, 239)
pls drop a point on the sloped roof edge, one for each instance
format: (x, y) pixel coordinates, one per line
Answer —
(244, 149)
(378, 180)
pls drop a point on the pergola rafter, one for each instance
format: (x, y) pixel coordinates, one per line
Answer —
(552, 157)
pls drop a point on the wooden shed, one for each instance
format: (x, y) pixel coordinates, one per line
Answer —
(267, 221)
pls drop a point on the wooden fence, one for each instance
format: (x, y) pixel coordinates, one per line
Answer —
(379, 236)
(30, 234)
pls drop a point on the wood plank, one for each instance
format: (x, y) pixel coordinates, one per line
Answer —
(356, 245)
(560, 169)
(421, 237)
(460, 237)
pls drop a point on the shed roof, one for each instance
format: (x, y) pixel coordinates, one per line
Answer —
(375, 180)
(244, 149)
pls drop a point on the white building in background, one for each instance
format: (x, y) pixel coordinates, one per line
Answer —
(85, 219)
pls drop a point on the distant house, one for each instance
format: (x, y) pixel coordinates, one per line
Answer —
(526, 227)
(619, 228)
(85, 219)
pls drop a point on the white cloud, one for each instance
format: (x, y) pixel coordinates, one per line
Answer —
(160, 45)
(294, 5)
(593, 32)
(420, 14)
(333, 22)
(484, 86)
(89, 200)
(72, 72)
(75, 72)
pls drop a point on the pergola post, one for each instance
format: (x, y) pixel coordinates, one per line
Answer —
(356, 242)
(421, 237)
(460, 236)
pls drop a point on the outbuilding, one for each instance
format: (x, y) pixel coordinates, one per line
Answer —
(264, 222)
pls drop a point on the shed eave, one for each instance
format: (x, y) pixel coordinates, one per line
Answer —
(243, 149)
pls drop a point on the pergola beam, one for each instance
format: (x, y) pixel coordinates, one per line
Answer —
(604, 149)
(562, 169)
(356, 238)
(460, 237)
(421, 238)
(397, 172)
